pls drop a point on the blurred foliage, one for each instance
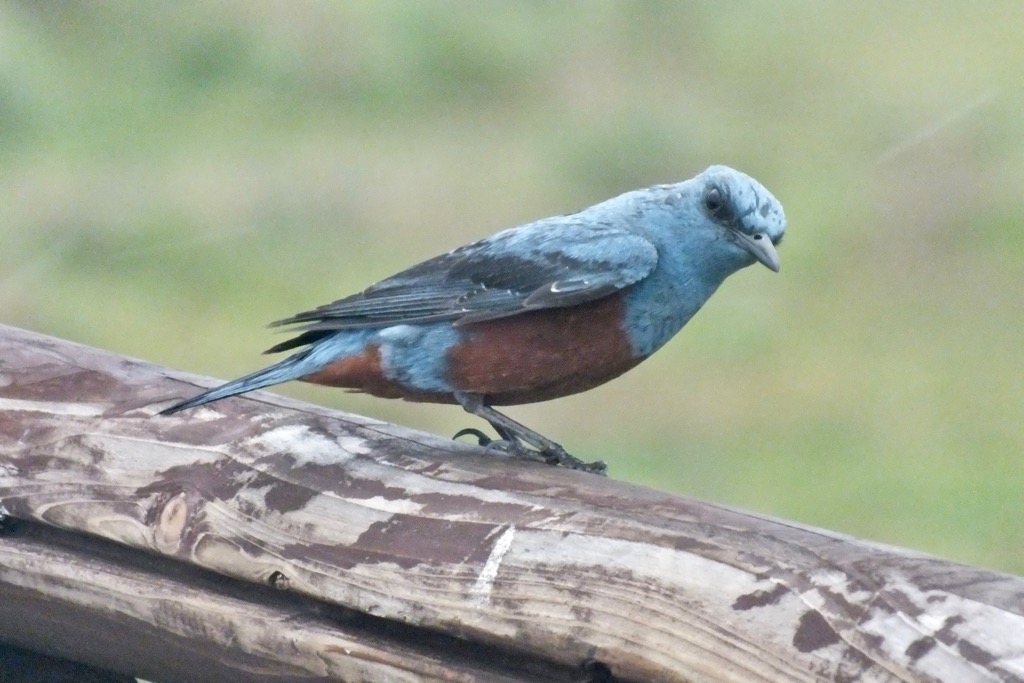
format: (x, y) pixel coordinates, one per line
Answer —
(173, 175)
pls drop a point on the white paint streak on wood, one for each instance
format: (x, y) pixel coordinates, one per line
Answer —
(393, 505)
(480, 593)
(51, 407)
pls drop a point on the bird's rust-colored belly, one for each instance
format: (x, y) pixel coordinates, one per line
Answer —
(525, 358)
(545, 354)
(365, 373)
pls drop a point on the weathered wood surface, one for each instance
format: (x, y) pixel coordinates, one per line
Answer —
(446, 563)
(115, 608)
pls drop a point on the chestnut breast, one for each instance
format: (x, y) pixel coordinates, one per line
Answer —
(544, 354)
(525, 358)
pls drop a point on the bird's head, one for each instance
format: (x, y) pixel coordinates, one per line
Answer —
(746, 220)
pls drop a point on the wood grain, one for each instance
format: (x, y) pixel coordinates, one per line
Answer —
(552, 569)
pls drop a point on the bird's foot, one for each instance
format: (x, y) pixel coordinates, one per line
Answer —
(509, 446)
(554, 454)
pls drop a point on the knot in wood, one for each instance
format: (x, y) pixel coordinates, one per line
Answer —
(170, 524)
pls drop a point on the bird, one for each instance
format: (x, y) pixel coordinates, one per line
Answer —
(536, 312)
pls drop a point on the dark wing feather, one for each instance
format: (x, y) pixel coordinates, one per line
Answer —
(549, 264)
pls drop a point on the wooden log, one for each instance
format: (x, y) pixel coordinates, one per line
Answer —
(447, 562)
(115, 608)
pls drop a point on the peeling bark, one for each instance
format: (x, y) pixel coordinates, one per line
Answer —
(273, 540)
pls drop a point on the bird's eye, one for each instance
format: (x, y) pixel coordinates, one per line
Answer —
(713, 201)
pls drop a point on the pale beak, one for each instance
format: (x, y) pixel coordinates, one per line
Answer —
(760, 247)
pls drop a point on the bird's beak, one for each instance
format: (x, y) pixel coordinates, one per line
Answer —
(760, 247)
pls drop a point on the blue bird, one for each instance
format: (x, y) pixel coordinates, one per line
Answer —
(532, 313)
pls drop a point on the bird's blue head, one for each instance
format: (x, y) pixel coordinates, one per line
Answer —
(746, 221)
(705, 229)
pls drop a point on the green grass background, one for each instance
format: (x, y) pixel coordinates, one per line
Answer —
(175, 175)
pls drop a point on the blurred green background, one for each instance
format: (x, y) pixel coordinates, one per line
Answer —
(175, 175)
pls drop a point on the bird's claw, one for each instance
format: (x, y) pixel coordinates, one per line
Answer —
(555, 455)
(481, 438)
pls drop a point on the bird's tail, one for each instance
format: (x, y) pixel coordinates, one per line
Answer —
(293, 367)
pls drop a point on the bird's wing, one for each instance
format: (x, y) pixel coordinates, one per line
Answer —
(548, 264)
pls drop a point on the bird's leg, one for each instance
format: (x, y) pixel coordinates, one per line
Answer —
(518, 437)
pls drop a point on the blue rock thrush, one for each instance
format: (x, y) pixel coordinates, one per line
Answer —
(536, 312)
